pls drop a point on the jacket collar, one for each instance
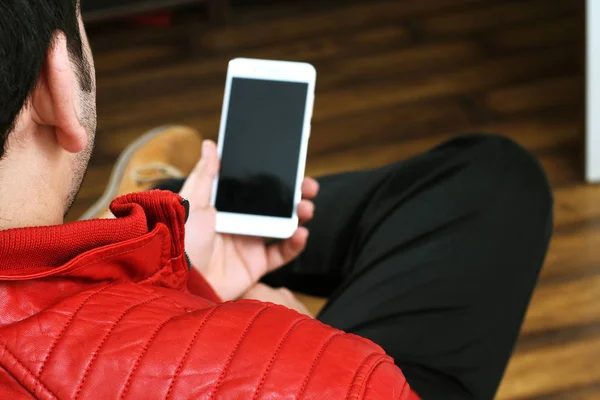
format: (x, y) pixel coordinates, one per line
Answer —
(26, 251)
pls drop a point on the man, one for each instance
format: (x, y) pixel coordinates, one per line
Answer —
(434, 259)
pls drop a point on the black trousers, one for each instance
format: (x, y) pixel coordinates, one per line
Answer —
(434, 258)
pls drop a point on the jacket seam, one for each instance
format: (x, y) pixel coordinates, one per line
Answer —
(315, 362)
(189, 349)
(235, 349)
(363, 362)
(165, 255)
(402, 390)
(37, 381)
(275, 354)
(105, 338)
(62, 331)
(123, 252)
(145, 349)
(363, 387)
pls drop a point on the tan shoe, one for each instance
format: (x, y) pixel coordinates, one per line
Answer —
(162, 153)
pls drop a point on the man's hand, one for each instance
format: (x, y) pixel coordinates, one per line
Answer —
(233, 264)
(281, 296)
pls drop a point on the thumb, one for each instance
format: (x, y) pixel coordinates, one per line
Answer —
(198, 186)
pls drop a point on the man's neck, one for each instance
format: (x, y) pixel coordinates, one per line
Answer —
(28, 192)
(27, 203)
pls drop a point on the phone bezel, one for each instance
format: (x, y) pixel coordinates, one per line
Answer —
(260, 225)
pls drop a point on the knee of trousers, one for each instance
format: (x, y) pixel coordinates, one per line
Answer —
(519, 174)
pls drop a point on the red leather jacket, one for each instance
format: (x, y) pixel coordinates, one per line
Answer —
(108, 309)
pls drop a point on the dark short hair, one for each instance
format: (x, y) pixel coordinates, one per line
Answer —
(26, 31)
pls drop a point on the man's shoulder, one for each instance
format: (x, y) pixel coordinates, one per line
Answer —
(130, 340)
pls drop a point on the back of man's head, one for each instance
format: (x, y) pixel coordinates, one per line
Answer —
(47, 110)
(27, 29)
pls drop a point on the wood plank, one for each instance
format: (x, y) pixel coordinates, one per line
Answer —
(573, 251)
(412, 61)
(257, 26)
(544, 33)
(132, 59)
(198, 64)
(116, 9)
(485, 17)
(159, 61)
(356, 98)
(341, 71)
(586, 392)
(534, 134)
(459, 81)
(563, 163)
(562, 305)
(386, 125)
(542, 371)
(577, 206)
(537, 95)
(572, 255)
(350, 17)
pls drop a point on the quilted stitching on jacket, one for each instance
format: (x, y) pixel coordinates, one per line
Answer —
(117, 322)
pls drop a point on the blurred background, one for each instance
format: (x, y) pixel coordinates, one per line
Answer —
(395, 77)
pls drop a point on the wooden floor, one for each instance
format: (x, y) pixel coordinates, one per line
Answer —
(395, 78)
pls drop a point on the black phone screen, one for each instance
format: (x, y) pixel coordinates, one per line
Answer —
(261, 148)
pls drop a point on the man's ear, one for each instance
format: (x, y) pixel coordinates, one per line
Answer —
(54, 100)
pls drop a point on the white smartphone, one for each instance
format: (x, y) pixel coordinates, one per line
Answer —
(263, 138)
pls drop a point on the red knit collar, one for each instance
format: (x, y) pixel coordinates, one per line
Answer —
(54, 246)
